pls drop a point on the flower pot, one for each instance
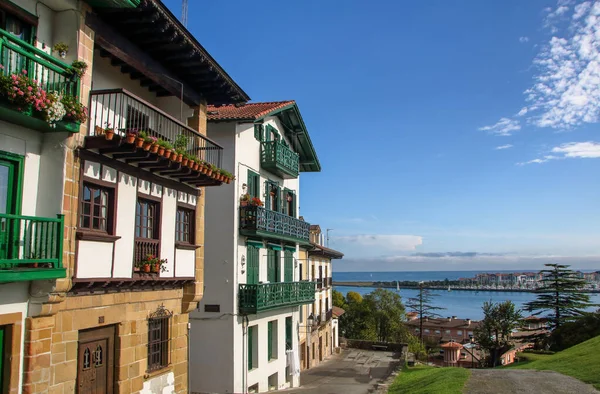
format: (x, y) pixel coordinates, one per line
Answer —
(183, 160)
(136, 269)
(208, 172)
(161, 151)
(154, 148)
(62, 54)
(228, 180)
(204, 170)
(174, 156)
(146, 145)
(146, 267)
(190, 164)
(244, 203)
(167, 153)
(109, 134)
(156, 268)
(98, 130)
(139, 142)
(196, 166)
(130, 139)
(272, 194)
(180, 157)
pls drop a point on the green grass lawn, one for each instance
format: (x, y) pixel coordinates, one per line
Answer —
(581, 362)
(422, 379)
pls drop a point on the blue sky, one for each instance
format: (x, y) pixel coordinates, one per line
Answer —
(408, 105)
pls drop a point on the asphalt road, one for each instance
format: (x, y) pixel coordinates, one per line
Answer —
(351, 372)
(524, 381)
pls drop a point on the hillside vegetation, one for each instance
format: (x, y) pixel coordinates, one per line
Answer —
(581, 362)
(422, 379)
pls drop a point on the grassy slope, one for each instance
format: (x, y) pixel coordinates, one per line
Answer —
(430, 380)
(581, 362)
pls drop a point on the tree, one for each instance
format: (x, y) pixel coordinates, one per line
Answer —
(386, 315)
(493, 334)
(422, 305)
(338, 299)
(560, 295)
(354, 324)
(571, 333)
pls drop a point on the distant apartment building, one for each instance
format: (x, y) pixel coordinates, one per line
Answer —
(450, 329)
(318, 331)
(245, 332)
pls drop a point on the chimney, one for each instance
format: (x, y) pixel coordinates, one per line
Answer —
(453, 317)
(449, 318)
(468, 322)
(426, 318)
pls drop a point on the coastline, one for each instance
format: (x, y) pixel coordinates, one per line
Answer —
(455, 288)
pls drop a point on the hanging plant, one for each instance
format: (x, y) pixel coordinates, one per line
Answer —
(61, 48)
(77, 68)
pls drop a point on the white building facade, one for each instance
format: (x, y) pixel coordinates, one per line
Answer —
(244, 334)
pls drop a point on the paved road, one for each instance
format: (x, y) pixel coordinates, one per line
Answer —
(524, 381)
(347, 373)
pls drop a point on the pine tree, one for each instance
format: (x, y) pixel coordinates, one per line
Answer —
(494, 332)
(422, 305)
(560, 295)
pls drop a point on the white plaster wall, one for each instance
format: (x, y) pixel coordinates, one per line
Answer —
(43, 169)
(167, 232)
(185, 263)
(125, 225)
(94, 259)
(14, 299)
(162, 384)
(106, 76)
(335, 332)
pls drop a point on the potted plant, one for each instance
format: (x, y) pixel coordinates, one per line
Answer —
(141, 137)
(75, 111)
(161, 147)
(184, 159)
(245, 200)
(196, 166)
(146, 266)
(179, 152)
(109, 132)
(256, 202)
(204, 166)
(168, 149)
(137, 267)
(273, 191)
(181, 142)
(61, 48)
(190, 162)
(148, 142)
(77, 68)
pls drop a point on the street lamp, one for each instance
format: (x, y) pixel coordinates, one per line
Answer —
(310, 321)
(472, 351)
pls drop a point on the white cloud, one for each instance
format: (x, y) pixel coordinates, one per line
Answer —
(583, 150)
(371, 242)
(570, 150)
(523, 39)
(504, 127)
(523, 111)
(566, 88)
(501, 147)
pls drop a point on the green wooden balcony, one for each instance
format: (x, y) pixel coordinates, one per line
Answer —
(51, 74)
(264, 223)
(279, 159)
(31, 248)
(266, 296)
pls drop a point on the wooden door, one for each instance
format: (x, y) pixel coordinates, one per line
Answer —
(95, 361)
(273, 260)
(288, 261)
(320, 348)
(8, 187)
(253, 259)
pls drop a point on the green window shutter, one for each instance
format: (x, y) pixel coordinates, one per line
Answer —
(272, 266)
(267, 195)
(270, 339)
(258, 132)
(281, 203)
(1, 356)
(252, 271)
(250, 350)
(288, 332)
(253, 184)
(288, 260)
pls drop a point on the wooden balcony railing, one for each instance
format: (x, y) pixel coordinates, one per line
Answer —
(279, 159)
(262, 297)
(144, 247)
(259, 221)
(123, 111)
(51, 74)
(31, 248)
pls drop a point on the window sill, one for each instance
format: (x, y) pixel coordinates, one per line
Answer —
(83, 235)
(158, 372)
(186, 246)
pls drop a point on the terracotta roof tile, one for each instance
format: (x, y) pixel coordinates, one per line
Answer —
(248, 111)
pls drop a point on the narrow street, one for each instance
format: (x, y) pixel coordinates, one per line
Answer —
(353, 371)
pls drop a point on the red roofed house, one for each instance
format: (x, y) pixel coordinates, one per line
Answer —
(245, 331)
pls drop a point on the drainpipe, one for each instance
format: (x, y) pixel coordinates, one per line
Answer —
(189, 327)
(244, 352)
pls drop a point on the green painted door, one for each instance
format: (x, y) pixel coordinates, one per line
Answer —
(8, 188)
(288, 263)
(1, 357)
(288, 332)
(273, 266)
(252, 272)
(250, 347)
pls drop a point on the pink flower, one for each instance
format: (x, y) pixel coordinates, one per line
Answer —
(29, 88)
(14, 77)
(24, 72)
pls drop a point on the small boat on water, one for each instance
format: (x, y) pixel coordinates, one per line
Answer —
(449, 288)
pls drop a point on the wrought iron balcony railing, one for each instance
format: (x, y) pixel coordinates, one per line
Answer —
(31, 248)
(121, 110)
(258, 221)
(266, 296)
(279, 159)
